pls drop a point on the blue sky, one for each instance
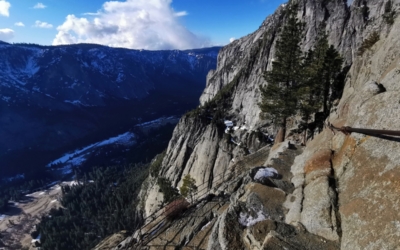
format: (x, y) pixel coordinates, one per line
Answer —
(138, 24)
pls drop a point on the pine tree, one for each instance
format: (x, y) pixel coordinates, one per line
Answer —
(311, 87)
(279, 99)
(332, 68)
(321, 68)
(188, 187)
(169, 192)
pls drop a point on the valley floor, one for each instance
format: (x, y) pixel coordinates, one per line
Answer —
(19, 222)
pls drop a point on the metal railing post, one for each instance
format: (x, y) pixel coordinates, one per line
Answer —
(348, 130)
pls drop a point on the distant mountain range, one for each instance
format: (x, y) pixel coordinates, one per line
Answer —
(55, 98)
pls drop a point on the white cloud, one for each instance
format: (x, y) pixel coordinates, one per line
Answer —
(6, 34)
(44, 25)
(4, 8)
(181, 13)
(20, 24)
(232, 39)
(39, 6)
(91, 14)
(137, 24)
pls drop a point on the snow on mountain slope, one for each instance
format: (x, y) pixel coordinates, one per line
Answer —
(57, 98)
(91, 74)
(79, 156)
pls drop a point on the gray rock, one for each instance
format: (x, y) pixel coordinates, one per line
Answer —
(365, 169)
(318, 216)
(372, 88)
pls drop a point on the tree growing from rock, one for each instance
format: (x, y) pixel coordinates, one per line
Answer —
(332, 68)
(169, 192)
(321, 68)
(279, 97)
(188, 188)
(311, 87)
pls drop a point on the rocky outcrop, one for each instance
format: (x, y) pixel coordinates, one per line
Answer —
(342, 190)
(346, 184)
(199, 147)
(367, 167)
(251, 216)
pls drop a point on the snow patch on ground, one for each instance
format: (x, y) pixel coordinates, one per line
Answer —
(206, 225)
(18, 72)
(37, 239)
(77, 161)
(34, 194)
(265, 173)
(120, 77)
(192, 60)
(2, 216)
(75, 102)
(5, 98)
(31, 67)
(248, 220)
(15, 177)
(77, 157)
(66, 170)
(67, 162)
(123, 139)
(72, 183)
(154, 122)
(52, 97)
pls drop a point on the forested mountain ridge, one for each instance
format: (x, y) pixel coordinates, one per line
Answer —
(54, 99)
(89, 75)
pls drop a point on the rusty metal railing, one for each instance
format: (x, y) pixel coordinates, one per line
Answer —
(348, 130)
(234, 171)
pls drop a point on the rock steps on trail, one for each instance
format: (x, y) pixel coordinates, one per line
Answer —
(275, 234)
(190, 230)
(267, 199)
(283, 164)
(216, 223)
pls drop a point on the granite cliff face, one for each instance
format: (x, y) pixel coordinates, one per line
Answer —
(338, 192)
(195, 148)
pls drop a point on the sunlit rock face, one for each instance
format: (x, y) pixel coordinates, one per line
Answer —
(344, 187)
(197, 147)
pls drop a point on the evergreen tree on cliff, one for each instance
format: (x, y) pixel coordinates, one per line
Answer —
(311, 88)
(332, 68)
(279, 100)
(321, 69)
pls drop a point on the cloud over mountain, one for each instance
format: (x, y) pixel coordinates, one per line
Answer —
(6, 34)
(4, 8)
(136, 24)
